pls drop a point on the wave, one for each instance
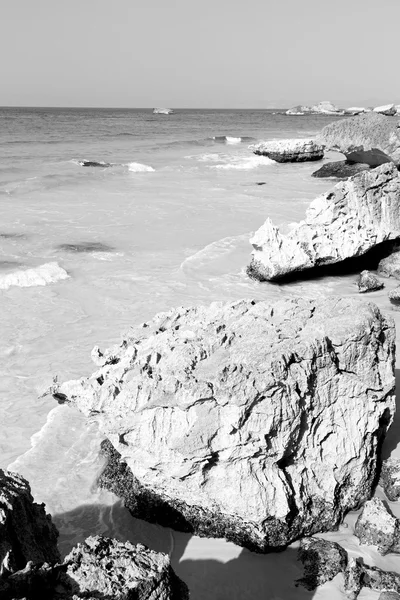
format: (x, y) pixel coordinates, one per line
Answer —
(245, 163)
(227, 139)
(139, 168)
(47, 273)
(214, 250)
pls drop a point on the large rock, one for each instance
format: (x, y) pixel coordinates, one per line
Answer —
(368, 138)
(322, 108)
(375, 526)
(390, 265)
(340, 169)
(289, 150)
(390, 478)
(368, 282)
(387, 109)
(26, 531)
(359, 575)
(256, 422)
(353, 217)
(322, 561)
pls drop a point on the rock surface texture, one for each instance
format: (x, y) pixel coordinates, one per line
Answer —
(390, 478)
(26, 531)
(371, 138)
(289, 150)
(322, 561)
(375, 526)
(390, 266)
(387, 109)
(256, 422)
(353, 217)
(340, 169)
(368, 282)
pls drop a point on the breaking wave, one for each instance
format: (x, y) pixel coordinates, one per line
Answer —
(43, 275)
(245, 163)
(139, 168)
(214, 251)
(227, 139)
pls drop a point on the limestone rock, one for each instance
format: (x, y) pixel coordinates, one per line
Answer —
(387, 109)
(26, 531)
(390, 478)
(368, 282)
(390, 265)
(356, 110)
(340, 169)
(322, 561)
(375, 526)
(289, 150)
(237, 416)
(359, 575)
(327, 108)
(298, 110)
(394, 295)
(163, 111)
(369, 138)
(353, 217)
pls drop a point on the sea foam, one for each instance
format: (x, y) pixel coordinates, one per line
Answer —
(47, 273)
(245, 163)
(139, 168)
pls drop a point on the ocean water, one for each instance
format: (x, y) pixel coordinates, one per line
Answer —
(162, 218)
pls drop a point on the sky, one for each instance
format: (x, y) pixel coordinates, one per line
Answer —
(199, 53)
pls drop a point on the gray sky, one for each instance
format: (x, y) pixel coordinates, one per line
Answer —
(198, 53)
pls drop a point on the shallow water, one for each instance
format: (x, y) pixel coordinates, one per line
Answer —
(167, 223)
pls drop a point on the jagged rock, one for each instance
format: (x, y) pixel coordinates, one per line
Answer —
(26, 531)
(370, 138)
(368, 282)
(99, 568)
(289, 150)
(353, 577)
(390, 478)
(340, 169)
(375, 526)
(390, 265)
(219, 412)
(359, 575)
(353, 217)
(388, 110)
(322, 561)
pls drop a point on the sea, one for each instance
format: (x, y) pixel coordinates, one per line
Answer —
(109, 216)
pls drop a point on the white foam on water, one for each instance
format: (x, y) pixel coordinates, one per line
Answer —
(106, 255)
(43, 275)
(233, 140)
(214, 251)
(208, 157)
(139, 168)
(245, 163)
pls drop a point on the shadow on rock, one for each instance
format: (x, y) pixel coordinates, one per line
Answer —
(393, 436)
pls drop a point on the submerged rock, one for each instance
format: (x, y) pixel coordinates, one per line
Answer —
(368, 282)
(94, 163)
(219, 411)
(390, 478)
(289, 150)
(26, 530)
(322, 561)
(370, 138)
(81, 247)
(375, 526)
(353, 217)
(387, 109)
(390, 265)
(340, 170)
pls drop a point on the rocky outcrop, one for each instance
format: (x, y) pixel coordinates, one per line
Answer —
(356, 110)
(390, 265)
(359, 575)
(368, 282)
(218, 413)
(289, 150)
(340, 170)
(370, 138)
(163, 111)
(26, 531)
(353, 217)
(390, 478)
(375, 526)
(388, 110)
(322, 108)
(322, 561)
(99, 568)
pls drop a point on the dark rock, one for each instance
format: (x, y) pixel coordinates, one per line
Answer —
(81, 247)
(93, 163)
(368, 282)
(390, 478)
(359, 575)
(353, 577)
(340, 170)
(390, 266)
(375, 526)
(322, 561)
(261, 182)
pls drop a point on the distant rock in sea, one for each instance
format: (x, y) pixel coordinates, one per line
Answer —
(289, 150)
(162, 111)
(216, 413)
(356, 110)
(323, 108)
(371, 138)
(340, 170)
(388, 109)
(347, 221)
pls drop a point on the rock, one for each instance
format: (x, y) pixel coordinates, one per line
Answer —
(387, 109)
(327, 108)
(369, 138)
(356, 110)
(298, 110)
(390, 265)
(26, 531)
(322, 561)
(390, 478)
(394, 295)
(353, 577)
(353, 217)
(163, 111)
(289, 150)
(340, 169)
(358, 575)
(99, 568)
(219, 411)
(389, 596)
(368, 282)
(375, 526)
(93, 163)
